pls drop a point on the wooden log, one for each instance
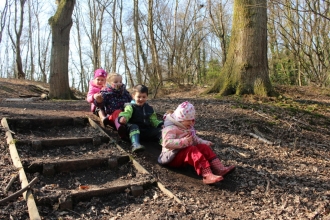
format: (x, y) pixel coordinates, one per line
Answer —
(27, 195)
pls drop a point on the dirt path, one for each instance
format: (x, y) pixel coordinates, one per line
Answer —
(285, 175)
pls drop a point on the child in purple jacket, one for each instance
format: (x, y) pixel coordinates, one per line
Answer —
(114, 97)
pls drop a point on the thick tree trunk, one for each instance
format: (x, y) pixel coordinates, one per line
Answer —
(60, 24)
(246, 68)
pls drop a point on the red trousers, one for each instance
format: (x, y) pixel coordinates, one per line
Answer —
(113, 117)
(197, 156)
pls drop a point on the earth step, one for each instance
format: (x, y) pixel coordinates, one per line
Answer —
(66, 199)
(46, 123)
(74, 160)
(51, 167)
(40, 144)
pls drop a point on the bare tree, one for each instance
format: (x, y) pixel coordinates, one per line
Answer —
(138, 47)
(299, 42)
(123, 46)
(246, 67)
(61, 24)
(3, 17)
(114, 37)
(96, 20)
(154, 52)
(219, 22)
(42, 44)
(31, 46)
(16, 40)
(77, 15)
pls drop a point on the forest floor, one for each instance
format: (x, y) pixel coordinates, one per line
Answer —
(280, 146)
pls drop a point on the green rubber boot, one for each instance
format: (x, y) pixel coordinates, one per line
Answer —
(136, 146)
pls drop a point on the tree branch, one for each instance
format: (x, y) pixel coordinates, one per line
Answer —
(16, 194)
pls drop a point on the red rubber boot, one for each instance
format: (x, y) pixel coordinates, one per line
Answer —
(209, 177)
(219, 169)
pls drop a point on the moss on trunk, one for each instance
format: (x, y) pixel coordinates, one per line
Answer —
(246, 68)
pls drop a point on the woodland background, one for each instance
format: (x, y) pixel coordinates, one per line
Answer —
(183, 41)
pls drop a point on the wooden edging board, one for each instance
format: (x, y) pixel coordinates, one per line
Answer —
(27, 195)
(136, 164)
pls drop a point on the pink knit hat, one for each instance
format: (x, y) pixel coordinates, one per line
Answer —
(100, 72)
(185, 111)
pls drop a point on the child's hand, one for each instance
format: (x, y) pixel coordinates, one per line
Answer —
(189, 140)
(98, 97)
(122, 120)
(209, 143)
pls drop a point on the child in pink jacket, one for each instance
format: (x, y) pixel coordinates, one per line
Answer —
(181, 146)
(95, 86)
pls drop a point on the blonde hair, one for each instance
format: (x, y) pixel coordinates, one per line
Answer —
(111, 76)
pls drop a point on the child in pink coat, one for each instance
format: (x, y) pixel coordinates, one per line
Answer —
(94, 95)
(181, 146)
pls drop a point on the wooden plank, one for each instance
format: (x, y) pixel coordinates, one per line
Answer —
(57, 141)
(38, 122)
(168, 192)
(27, 195)
(89, 193)
(138, 166)
(60, 141)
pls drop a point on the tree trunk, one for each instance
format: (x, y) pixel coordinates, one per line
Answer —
(60, 24)
(123, 47)
(83, 80)
(246, 68)
(18, 33)
(31, 42)
(137, 41)
(3, 18)
(154, 52)
(114, 39)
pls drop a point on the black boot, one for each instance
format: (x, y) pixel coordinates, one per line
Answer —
(136, 146)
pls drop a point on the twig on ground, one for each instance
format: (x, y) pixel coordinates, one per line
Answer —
(10, 183)
(267, 187)
(19, 192)
(261, 139)
(258, 132)
(261, 115)
(7, 129)
(73, 212)
(244, 155)
(297, 120)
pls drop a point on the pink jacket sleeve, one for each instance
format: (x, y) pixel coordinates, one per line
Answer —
(171, 138)
(92, 90)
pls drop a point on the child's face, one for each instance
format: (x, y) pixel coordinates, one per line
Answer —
(188, 123)
(140, 98)
(116, 82)
(99, 81)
